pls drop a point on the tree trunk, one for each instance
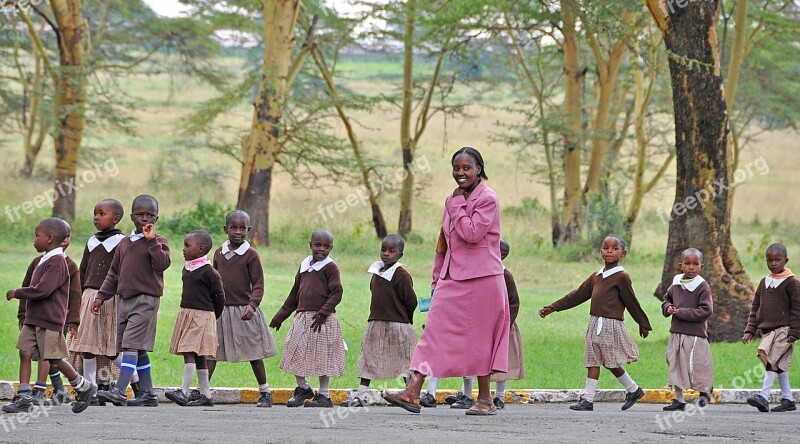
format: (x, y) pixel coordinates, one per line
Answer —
(701, 215)
(573, 79)
(406, 140)
(262, 145)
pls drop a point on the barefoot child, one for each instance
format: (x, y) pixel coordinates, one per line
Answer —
(137, 277)
(688, 301)
(46, 312)
(776, 312)
(195, 332)
(314, 345)
(97, 335)
(389, 339)
(242, 331)
(608, 342)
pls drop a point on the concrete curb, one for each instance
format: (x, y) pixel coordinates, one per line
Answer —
(223, 395)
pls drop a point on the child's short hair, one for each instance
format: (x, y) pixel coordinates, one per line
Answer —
(475, 155)
(397, 239)
(55, 227)
(693, 251)
(116, 206)
(504, 246)
(237, 214)
(778, 248)
(322, 232)
(145, 198)
(620, 241)
(202, 238)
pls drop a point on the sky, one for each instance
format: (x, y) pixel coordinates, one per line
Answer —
(169, 8)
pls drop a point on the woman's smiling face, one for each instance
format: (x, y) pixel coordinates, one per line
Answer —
(465, 171)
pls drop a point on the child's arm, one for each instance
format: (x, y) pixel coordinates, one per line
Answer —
(573, 299)
(256, 272)
(668, 306)
(56, 277)
(84, 266)
(704, 309)
(335, 290)
(750, 329)
(632, 305)
(794, 316)
(74, 301)
(26, 282)
(159, 251)
(289, 306)
(472, 228)
(513, 296)
(217, 292)
(405, 290)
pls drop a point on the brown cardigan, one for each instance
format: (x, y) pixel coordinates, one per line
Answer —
(74, 302)
(47, 295)
(775, 307)
(393, 301)
(313, 291)
(695, 309)
(242, 277)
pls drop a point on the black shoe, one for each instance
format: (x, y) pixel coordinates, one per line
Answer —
(675, 405)
(264, 399)
(358, 401)
(194, 395)
(428, 401)
(19, 404)
(582, 406)
(451, 399)
(705, 399)
(113, 396)
(786, 405)
(83, 398)
(96, 401)
(38, 398)
(631, 398)
(319, 400)
(499, 403)
(759, 402)
(146, 400)
(177, 396)
(60, 397)
(137, 389)
(203, 401)
(463, 403)
(300, 396)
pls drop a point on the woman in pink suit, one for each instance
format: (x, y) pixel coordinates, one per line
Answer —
(466, 332)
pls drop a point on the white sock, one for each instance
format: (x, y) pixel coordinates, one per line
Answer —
(188, 373)
(135, 376)
(468, 387)
(590, 389)
(202, 382)
(80, 384)
(90, 369)
(362, 389)
(433, 382)
(628, 383)
(301, 381)
(769, 379)
(500, 390)
(263, 387)
(786, 390)
(324, 385)
(679, 395)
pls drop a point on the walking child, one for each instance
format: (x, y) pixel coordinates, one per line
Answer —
(314, 346)
(389, 340)
(688, 301)
(137, 277)
(608, 342)
(195, 332)
(46, 298)
(776, 312)
(241, 329)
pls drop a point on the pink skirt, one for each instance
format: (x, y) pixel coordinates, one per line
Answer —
(466, 333)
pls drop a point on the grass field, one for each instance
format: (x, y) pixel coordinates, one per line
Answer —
(553, 347)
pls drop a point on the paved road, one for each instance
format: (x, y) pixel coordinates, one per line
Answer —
(518, 423)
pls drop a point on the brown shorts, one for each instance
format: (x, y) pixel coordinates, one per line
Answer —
(136, 322)
(48, 344)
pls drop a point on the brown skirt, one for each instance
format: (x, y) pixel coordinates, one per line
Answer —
(195, 332)
(613, 347)
(97, 334)
(309, 353)
(240, 340)
(775, 352)
(691, 365)
(516, 357)
(386, 349)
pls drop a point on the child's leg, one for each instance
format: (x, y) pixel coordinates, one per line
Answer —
(260, 373)
(500, 390)
(25, 364)
(769, 380)
(55, 379)
(90, 367)
(202, 377)
(212, 365)
(592, 377)
(78, 382)
(324, 385)
(301, 381)
(433, 383)
(189, 369)
(363, 386)
(143, 369)
(786, 390)
(42, 372)
(625, 379)
(467, 387)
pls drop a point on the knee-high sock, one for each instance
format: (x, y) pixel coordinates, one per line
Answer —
(786, 390)
(679, 395)
(126, 368)
(500, 390)
(143, 368)
(628, 382)
(80, 384)
(90, 369)
(202, 382)
(769, 379)
(55, 379)
(590, 389)
(433, 383)
(324, 385)
(301, 381)
(189, 369)
(468, 387)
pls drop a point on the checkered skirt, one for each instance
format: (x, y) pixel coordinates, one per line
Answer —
(613, 347)
(775, 352)
(386, 349)
(309, 353)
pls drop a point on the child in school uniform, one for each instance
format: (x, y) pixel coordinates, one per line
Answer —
(608, 342)
(96, 340)
(46, 298)
(688, 301)
(314, 346)
(137, 277)
(776, 312)
(195, 332)
(241, 329)
(389, 340)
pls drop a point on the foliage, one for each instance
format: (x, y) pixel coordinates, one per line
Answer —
(207, 215)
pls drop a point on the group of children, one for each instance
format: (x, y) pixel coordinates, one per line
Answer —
(108, 308)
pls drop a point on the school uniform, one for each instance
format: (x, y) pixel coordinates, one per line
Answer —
(608, 342)
(136, 275)
(691, 365)
(243, 280)
(516, 356)
(202, 301)
(776, 312)
(317, 289)
(389, 340)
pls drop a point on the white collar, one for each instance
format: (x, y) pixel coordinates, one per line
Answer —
(226, 248)
(306, 265)
(771, 282)
(691, 285)
(135, 236)
(109, 244)
(195, 264)
(387, 274)
(51, 253)
(608, 273)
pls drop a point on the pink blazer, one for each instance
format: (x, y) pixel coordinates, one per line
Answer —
(472, 230)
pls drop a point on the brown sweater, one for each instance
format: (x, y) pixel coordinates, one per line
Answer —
(47, 295)
(513, 296)
(95, 263)
(313, 291)
(610, 297)
(242, 277)
(393, 301)
(202, 290)
(138, 268)
(74, 303)
(695, 309)
(775, 307)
